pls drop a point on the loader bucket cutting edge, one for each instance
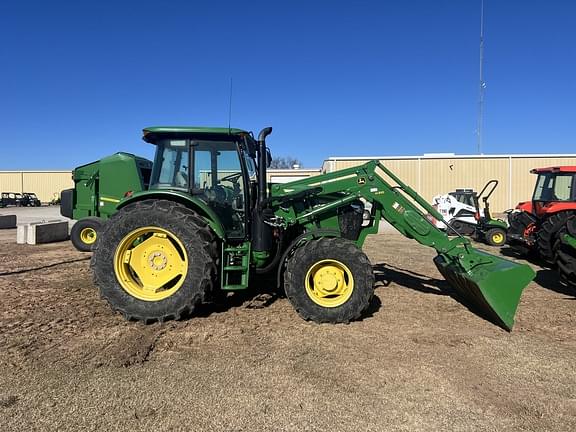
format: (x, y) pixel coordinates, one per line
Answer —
(494, 288)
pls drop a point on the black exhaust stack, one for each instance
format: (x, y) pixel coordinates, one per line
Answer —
(262, 164)
(261, 232)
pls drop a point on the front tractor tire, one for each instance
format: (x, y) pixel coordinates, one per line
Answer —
(329, 280)
(496, 237)
(155, 260)
(84, 233)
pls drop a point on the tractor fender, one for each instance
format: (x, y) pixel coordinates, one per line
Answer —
(299, 241)
(556, 207)
(196, 204)
(524, 206)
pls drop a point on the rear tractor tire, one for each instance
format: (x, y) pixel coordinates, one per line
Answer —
(566, 261)
(155, 260)
(566, 255)
(547, 236)
(84, 233)
(496, 237)
(329, 280)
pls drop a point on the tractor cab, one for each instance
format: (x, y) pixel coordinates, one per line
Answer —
(536, 224)
(464, 196)
(214, 165)
(555, 187)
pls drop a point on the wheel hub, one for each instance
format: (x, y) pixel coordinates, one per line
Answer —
(157, 260)
(329, 283)
(151, 264)
(327, 279)
(88, 235)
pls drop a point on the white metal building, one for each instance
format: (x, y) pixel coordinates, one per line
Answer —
(433, 174)
(429, 174)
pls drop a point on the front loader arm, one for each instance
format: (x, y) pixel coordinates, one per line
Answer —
(391, 203)
(491, 283)
(402, 207)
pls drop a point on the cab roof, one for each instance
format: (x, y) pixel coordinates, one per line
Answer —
(151, 134)
(568, 169)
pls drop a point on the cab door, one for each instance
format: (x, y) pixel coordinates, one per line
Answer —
(219, 178)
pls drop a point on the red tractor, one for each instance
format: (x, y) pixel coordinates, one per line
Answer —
(534, 225)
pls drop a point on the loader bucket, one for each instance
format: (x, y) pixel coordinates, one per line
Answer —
(494, 286)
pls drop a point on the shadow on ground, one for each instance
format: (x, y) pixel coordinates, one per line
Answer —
(550, 279)
(386, 274)
(530, 256)
(248, 298)
(261, 298)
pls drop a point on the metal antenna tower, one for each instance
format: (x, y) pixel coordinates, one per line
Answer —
(230, 106)
(482, 83)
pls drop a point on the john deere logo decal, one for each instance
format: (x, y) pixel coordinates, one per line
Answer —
(361, 180)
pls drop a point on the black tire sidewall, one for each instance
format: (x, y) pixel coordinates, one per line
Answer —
(340, 250)
(195, 285)
(548, 232)
(491, 234)
(89, 222)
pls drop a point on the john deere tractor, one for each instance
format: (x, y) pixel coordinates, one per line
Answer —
(209, 221)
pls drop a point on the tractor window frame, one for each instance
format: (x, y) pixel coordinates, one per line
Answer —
(158, 165)
(237, 145)
(241, 154)
(545, 188)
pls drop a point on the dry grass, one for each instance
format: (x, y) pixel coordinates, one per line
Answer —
(419, 360)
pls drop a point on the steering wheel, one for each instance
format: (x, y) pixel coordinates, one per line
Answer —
(232, 178)
(215, 193)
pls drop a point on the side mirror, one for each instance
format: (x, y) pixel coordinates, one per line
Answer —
(268, 158)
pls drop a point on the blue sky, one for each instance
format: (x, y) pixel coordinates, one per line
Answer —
(81, 79)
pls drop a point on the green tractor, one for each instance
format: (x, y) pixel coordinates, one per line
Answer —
(209, 221)
(489, 230)
(98, 188)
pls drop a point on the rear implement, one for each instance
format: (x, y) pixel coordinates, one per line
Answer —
(98, 187)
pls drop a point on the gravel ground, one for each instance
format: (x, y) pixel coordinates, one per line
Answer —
(418, 360)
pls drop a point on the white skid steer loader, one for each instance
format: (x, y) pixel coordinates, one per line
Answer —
(459, 210)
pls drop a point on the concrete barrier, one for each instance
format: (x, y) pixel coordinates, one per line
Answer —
(21, 234)
(7, 221)
(47, 232)
(42, 232)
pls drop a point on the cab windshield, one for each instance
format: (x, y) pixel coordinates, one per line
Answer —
(554, 187)
(464, 198)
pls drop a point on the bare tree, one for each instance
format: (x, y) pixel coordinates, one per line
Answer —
(285, 162)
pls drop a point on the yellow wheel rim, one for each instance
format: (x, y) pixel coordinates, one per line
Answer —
(88, 235)
(329, 283)
(151, 263)
(498, 238)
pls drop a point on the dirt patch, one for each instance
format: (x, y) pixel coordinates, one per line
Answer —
(418, 360)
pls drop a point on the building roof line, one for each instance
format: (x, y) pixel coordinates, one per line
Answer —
(34, 171)
(455, 156)
(291, 170)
